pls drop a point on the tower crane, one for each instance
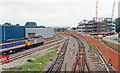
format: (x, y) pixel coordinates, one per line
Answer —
(96, 10)
(113, 9)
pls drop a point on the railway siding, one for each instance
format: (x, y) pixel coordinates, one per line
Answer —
(57, 64)
(37, 63)
(109, 54)
(70, 55)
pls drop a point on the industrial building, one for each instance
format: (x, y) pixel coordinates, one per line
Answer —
(18, 32)
(119, 9)
(45, 32)
(104, 26)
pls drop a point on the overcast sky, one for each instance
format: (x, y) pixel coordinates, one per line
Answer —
(56, 13)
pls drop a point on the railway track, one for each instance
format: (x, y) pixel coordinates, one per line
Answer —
(56, 66)
(26, 53)
(80, 64)
(29, 50)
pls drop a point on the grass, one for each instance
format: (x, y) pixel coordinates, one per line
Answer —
(55, 48)
(91, 44)
(97, 52)
(94, 47)
(37, 64)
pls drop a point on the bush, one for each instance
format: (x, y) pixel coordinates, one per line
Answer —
(29, 60)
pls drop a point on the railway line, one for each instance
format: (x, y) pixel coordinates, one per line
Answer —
(80, 64)
(109, 67)
(56, 66)
(31, 51)
(46, 43)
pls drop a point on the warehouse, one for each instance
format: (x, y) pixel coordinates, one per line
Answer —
(11, 32)
(45, 32)
(17, 32)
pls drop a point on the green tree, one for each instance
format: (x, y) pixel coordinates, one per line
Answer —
(31, 24)
(7, 23)
(58, 29)
(117, 21)
(17, 24)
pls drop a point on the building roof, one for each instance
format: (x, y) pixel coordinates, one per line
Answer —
(23, 26)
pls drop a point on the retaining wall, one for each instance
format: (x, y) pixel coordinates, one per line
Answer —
(108, 53)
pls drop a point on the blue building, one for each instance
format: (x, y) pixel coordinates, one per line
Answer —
(14, 32)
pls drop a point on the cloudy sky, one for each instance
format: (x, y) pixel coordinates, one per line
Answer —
(57, 13)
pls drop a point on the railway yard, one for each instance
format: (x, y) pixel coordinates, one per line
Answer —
(64, 53)
(60, 36)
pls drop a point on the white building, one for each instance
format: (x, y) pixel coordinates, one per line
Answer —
(119, 9)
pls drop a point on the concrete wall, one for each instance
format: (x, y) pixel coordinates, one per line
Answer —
(45, 32)
(119, 9)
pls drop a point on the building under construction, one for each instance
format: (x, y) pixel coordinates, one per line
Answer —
(103, 26)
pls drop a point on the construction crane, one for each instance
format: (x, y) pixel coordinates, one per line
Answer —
(96, 10)
(113, 9)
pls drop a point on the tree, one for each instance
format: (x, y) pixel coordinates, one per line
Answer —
(17, 24)
(31, 24)
(7, 23)
(58, 29)
(74, 28)
(117, 21)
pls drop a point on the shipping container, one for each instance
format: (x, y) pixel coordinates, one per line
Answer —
(45, 32)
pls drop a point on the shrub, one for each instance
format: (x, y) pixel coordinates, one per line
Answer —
(29, 60)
